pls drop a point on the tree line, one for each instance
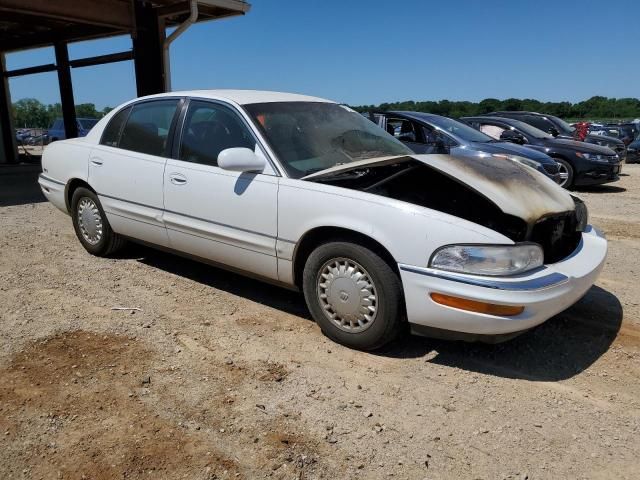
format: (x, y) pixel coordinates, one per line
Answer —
(595, 108)
(31, 113)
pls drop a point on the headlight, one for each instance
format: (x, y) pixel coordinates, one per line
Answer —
(517, 158)
(582, 214)
(593, 157)
(488, 259)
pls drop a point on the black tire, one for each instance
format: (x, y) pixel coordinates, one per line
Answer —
(389, 315)
(108, 242)
(568, 184)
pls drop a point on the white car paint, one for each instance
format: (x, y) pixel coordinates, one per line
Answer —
(254, 222)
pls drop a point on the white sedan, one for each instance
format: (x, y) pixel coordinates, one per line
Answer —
(309, 194)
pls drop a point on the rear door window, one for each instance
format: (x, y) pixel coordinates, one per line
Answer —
(148, 125)
(494, 131)
(539, 122)
(404, 130)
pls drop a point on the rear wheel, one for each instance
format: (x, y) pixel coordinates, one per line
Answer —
(566, 173)
(91, 224)
(353, 295)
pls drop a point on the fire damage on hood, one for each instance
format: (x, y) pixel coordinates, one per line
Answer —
(498, 194)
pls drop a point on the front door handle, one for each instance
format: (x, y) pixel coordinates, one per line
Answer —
(177, 179)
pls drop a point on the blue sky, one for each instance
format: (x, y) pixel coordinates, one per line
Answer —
(364, 52)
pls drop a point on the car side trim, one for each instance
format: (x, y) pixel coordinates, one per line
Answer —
(538, 283)
(49, 179)
(190, 216)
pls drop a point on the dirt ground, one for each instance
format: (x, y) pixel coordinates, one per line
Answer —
(221, 377)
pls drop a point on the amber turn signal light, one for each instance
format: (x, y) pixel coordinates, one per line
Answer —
(474, 306)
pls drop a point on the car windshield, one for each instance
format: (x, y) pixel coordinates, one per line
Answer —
(529, 130)
(459, 129)
(562, 126)
(312, 136)
(87, 123)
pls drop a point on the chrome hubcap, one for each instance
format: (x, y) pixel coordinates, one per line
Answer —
(347, 295)
(89, 220)
(563, 173)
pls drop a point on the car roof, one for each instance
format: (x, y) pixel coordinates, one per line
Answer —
(414, 115)
(494, 118)
(518, 112)
(242, 97)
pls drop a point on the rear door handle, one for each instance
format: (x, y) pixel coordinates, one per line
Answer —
(177, 179)
(96, 161)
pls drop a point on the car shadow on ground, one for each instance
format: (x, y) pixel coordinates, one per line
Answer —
(601, 189)
(562, 347)
(255, 290)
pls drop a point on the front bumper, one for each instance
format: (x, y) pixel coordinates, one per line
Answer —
(633, 156)
(599, 174)
(544, 292)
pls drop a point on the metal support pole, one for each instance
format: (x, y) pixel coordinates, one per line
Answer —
(193, 17)
(66, 90)
(147, 50)
(8, 150)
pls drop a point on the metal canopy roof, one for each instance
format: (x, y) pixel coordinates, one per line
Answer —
(35, 23)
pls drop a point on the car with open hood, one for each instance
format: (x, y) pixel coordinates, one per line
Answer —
(310, 195)
(429, 133)
(581, 163)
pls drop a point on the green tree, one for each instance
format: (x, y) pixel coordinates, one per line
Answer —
(29, 112)
(87, 110)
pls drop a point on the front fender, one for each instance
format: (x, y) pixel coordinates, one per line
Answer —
(409, 232)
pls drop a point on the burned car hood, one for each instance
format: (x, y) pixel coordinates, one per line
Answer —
(514, 188)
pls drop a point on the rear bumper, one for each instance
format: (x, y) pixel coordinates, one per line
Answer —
(54, 191)
(543, 293)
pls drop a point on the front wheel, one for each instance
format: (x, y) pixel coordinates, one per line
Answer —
(91, 224)
(566, 173)
(353, 295)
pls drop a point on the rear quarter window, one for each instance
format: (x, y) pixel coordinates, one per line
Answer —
(111, 134)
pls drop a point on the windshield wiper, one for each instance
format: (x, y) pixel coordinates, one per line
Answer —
(311, 171)
(349, 174)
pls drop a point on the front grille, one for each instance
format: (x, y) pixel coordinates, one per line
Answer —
(559, 235)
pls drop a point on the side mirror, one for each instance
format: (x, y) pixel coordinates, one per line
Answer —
(240, 159)
(513, 137)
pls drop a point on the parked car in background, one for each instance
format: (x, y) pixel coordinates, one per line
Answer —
(428, 133)
(581, 163)
(38, 140)
(627, 132)
(633, 151)
(310, 194)
(57, 132)
(561, 129)
(23, 135)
